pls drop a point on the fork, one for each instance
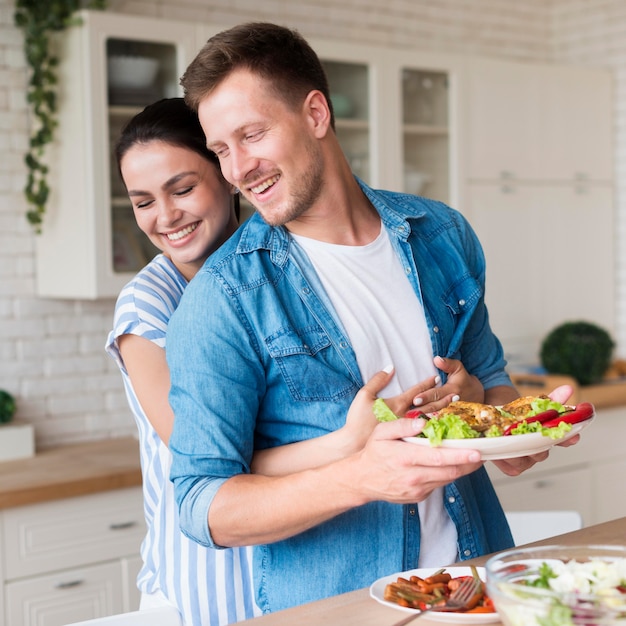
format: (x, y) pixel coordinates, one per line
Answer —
(458, 600)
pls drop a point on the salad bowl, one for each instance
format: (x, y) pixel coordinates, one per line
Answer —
(559, 585)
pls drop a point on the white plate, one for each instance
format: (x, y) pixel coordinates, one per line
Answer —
(377, 591)
(509, 447)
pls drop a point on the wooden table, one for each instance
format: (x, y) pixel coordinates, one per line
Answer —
(358, 609)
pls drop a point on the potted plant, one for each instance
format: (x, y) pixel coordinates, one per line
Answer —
(579, 349)
(16, 440)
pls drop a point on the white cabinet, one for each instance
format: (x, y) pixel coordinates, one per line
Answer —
(468, 131)
(587, 477)
(530, 121)
(71, 560)
(539, 194)
(88, 247)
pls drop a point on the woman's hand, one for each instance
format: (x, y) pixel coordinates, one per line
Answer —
(460, 385)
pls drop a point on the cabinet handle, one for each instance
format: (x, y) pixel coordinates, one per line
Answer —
(542, 484)
(122, 525)
(69, 584)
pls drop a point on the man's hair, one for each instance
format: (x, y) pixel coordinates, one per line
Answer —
(277, 54)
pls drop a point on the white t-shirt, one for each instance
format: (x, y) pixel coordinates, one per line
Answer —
(385, 322)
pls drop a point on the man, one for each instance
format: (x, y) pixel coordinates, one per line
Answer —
(330, 282)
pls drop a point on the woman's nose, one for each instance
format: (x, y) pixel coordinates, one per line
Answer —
(168, 213)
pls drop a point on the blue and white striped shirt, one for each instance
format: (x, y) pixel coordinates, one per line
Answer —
(209, 587)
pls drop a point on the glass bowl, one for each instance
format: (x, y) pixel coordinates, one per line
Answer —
(584, 592)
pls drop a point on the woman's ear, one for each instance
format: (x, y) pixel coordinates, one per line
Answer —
(318, 113)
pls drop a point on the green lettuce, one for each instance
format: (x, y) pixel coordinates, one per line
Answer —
(447, 426)
(382, 412)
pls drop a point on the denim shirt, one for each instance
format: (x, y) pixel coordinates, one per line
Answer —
(258, 358)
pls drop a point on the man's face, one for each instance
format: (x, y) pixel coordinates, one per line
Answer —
(267, 150)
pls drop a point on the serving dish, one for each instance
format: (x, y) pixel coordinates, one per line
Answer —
(559, 585)
(506, 447)
(377, 592)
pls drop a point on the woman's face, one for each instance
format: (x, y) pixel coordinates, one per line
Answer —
(180, 200)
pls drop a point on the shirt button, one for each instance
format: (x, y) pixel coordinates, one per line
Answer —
(467, 553)
(412, 511)
(306, 290)
(451, 499)
(407, 270)
(343, 345)
(461, 302)
(435, 329)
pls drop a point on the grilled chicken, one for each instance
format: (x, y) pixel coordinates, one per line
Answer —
(478, 416)
(521, 407)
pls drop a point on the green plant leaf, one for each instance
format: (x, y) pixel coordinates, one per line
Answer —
(37, 19)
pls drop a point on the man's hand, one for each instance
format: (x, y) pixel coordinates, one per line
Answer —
(397, 471)
(515, 467)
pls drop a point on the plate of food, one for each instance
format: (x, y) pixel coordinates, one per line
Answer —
(526, 426)
(410, 587)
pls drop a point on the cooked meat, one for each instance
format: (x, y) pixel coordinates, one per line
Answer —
(479, 416)
(521, 407)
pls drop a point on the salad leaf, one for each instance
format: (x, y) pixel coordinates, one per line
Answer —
(447, 426)
(523, 428)
(545, 574)
(382, 412)
(539, 405)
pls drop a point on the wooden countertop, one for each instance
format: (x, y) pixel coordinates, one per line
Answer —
(71, 470)
(358, 609)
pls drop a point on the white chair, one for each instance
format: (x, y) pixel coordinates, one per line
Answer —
(150, 617)
(529, 526)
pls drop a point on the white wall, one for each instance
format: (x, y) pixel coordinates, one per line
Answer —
(51, 352)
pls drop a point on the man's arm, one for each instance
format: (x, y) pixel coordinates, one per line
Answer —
(253, 509)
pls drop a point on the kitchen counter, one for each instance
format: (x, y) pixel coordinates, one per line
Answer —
(358, 609)
(71, 470)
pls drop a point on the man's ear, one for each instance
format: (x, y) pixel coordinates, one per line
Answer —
(316, 109)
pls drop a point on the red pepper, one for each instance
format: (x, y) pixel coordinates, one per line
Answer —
(415, 413)
(582, 412)
(544, 417)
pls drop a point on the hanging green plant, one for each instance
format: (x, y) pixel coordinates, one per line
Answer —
(38, 19)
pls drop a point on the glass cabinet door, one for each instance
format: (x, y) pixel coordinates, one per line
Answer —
(425, 133)
(138, 73)
(349, 94)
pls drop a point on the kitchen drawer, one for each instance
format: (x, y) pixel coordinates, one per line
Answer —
(566, 490)
(72, 532)
(65, 597)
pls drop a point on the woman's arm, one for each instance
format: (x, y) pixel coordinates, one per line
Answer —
(150, 376)
(348, 439)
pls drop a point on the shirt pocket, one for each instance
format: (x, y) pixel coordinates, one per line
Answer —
(461, 301)
(302, 357)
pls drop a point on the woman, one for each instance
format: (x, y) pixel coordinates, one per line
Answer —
(186, 208)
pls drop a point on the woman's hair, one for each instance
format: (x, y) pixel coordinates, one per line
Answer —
(277, 54)
(171, 121)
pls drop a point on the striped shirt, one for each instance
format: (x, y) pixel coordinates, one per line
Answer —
(209, 587)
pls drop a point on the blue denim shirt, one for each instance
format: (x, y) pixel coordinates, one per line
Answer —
(258, 358)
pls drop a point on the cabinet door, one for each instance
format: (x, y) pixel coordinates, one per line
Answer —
(550, 258)
(89, 247)
(568, 490)
(538, 122)
(65, 597)
(576, 125)
(608, 489)
(130, 570)
(74, 532)
(508, 221)
(504, 120)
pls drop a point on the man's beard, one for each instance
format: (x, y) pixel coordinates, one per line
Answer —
(300, 200)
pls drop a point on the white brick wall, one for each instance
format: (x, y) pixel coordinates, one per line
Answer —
(51, 355)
